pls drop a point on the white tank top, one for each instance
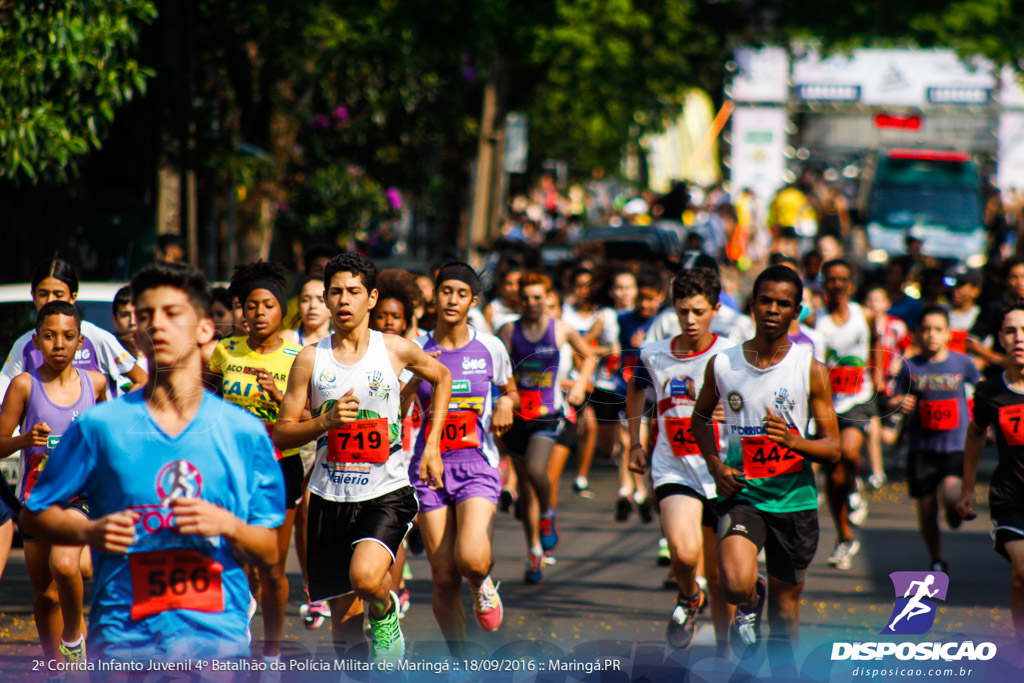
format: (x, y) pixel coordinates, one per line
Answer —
(847, 355)
(779, 481)
(677, 382)
(363, 460)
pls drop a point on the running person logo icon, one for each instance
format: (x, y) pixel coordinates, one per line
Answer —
(179, 479)
(915, 609)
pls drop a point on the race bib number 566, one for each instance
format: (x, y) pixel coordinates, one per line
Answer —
(175, 579)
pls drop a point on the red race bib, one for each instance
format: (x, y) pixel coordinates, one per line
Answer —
(459, 431)
(407, 433)
(1011, 421)
(763, 458)
(529, 404)
(174, 579)
(846, 380)
(680, 436)
(940, 416)
(359, 441)
(958, 341)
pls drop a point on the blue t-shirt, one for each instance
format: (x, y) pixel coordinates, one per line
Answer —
(939, 422)
(173, 596)
(629, 324)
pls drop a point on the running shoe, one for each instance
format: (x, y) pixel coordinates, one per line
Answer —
(387, 641)
(534, 567)
(487, 605)
(669, 581)
(664, 556)
(940, 566)
(404, 602)
(314, 614)
(876, 481)
(746, 625)
(549, 559)
(248, 621)
(953, 518)
(858, 507)
(646, 508)
(548, 532)
(622, 509)
(702, 583)
(842, 556)
(407, 572)
(73, 654)
(581, 487)
(682, 623)
(505, 500)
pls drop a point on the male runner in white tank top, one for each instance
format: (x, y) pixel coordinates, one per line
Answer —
(853, 356)
(359, 487)
(767, 497)
(674, 368)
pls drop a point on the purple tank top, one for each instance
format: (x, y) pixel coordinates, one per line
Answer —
(41, 409)
(535, 368)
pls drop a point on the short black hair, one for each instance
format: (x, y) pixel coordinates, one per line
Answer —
(58, 307)
(318, 251)
(697, 282)
(222, 296)
(837, 262)
(247, 275)
(1011, 263)
(778, 259)
(780, 274)
(933, 309)
(166, 240)
(177, 275)
(401, 286)
(355, 263)
(58, 269)
(580, 270)
(1015, 306)
(121, 299)
(648, 278)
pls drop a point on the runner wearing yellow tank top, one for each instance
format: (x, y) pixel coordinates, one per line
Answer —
(252, 373)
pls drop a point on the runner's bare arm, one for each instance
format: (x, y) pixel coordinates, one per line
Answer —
(113, 533)
(877, 354)
(99, 385)
(635, 397)
(579, 388)
(256, 544)
(291, 431)
(974, 442)
(505, 408)
(411, 356)
(979, 350)
(138, 377)
(704, 436)
(11, 414)
(826, 447)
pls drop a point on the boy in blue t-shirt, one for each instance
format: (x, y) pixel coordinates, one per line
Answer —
(182, 488)
(931, 390)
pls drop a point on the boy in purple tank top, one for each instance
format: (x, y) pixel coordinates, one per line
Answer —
(533, 343)
(45, 401)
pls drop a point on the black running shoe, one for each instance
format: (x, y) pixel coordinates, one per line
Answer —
(682, 623)
(746, 625)
(622, 509)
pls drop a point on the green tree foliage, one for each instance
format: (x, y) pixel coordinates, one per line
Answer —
(65, 67)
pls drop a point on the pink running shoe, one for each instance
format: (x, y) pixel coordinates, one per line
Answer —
(487, 605)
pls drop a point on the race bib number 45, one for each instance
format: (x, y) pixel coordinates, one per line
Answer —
(763, 458)
(175, 579)
(530, 404)
(680, 436)
(359, 441)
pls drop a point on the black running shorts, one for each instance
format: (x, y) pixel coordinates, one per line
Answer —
(857, 417)
(291, 468)
(708, 517)
(789, 539)
(1007, 523)
(336, 528)
(925, 469)
(517, 438)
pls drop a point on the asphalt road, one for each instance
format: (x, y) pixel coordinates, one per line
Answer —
(604, 600)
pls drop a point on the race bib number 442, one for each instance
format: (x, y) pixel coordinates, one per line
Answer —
(763, 458)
